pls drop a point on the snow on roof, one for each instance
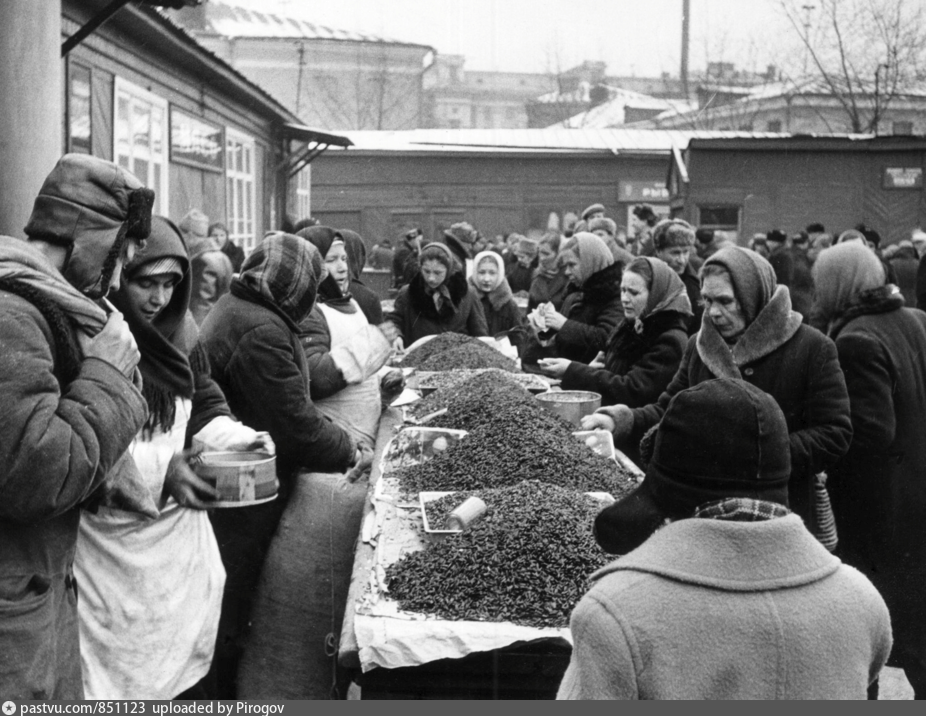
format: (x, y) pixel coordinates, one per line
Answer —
(612, 113)
(229, 20)
(531, 141)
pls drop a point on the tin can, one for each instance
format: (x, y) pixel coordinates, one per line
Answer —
(465, 514)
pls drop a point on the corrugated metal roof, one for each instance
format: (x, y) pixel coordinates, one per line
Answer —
(551, 140)
(229, 20)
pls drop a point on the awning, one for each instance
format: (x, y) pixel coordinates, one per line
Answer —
(314, 143)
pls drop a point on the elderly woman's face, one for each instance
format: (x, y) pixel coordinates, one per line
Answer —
(524, 259)
(722, 307)
(434, 273)
(571, 267)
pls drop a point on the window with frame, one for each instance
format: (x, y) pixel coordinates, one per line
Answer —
(902, 128)
(78, 109)
(140, 142)
(725, 218)
(774, 125)
(239, 188)
(303, 193)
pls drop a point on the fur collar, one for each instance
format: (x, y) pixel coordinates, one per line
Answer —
(775, 325)
(423, 303)
(602, 287)
(883, 299)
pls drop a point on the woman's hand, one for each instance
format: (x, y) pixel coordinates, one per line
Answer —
(554, 318)
(554, 367)
(363, 463)
(185, 486)
(389, 331)
(617, 419)
(599, 361)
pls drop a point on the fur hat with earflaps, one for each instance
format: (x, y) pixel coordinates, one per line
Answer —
(90, 206)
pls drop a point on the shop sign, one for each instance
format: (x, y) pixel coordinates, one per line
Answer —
(903, 178)
(196, 142)
(648, 191)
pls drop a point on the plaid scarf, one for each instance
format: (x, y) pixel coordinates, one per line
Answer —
(283, 271)
(741, 509)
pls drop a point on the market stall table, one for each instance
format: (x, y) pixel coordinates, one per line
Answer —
(402, 655)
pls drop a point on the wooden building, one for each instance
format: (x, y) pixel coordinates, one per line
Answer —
(142, 92)
(498, 180)
(750, 186)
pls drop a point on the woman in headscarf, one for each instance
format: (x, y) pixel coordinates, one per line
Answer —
(319, 528)
(877, 488)
(212, 275)
(438, 300)
(498, 304)
(645, 350)
(151, 589)
(365, 297)
(749, 332)
(252, 339)
(592, 308)
(549, 281)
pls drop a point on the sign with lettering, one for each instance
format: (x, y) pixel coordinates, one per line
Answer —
(196, 142)
(646, 191)
(903, 178)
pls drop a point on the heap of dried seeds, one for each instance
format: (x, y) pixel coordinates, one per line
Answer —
(438, 344)
(510, 442)
(526, 560)
(468, 356)
(470, 402)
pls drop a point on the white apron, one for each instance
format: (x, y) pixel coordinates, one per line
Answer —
(355, 408)
(150, 590)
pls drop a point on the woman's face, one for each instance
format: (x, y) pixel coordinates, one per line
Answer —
(220, 235)
(571, 267)
(336, 264)
(634, 295)
(487, 275)
(150, 294)
(547, 255)
(722, 307)
(434, 273)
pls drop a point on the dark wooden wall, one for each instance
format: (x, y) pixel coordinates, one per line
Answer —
(384, 194)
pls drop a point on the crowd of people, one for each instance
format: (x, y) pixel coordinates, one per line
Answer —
(772, 394)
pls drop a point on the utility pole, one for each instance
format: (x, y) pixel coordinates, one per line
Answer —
(877, 117)
(686, 21)
(807, 10)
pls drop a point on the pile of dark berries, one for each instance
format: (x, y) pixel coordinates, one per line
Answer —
(470, 403)
(511, 441)
(468, 356)
(526, 560)
(438, 344)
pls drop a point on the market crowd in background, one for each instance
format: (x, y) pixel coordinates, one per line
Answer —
(130, 342)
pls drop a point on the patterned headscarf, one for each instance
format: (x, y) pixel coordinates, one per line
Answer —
(285, 271)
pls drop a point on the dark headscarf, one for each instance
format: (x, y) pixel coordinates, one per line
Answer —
(166, 342)
(329, 293)
(356, 252)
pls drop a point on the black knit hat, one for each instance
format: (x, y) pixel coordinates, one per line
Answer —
(719, 439)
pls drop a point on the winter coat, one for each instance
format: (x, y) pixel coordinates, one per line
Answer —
(416, 316)
(792, 269)
(801, 371)
(547, 289)
(693, 287)
(257, 359)
(520, 277)
(877, 488)
(57, 443)
(592, 313)
(714, 609)
(904, 265)
(637, 367)
(235, 254)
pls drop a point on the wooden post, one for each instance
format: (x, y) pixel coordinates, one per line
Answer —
(31, 116)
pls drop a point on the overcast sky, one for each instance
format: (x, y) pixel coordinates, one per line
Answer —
(640, 37)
